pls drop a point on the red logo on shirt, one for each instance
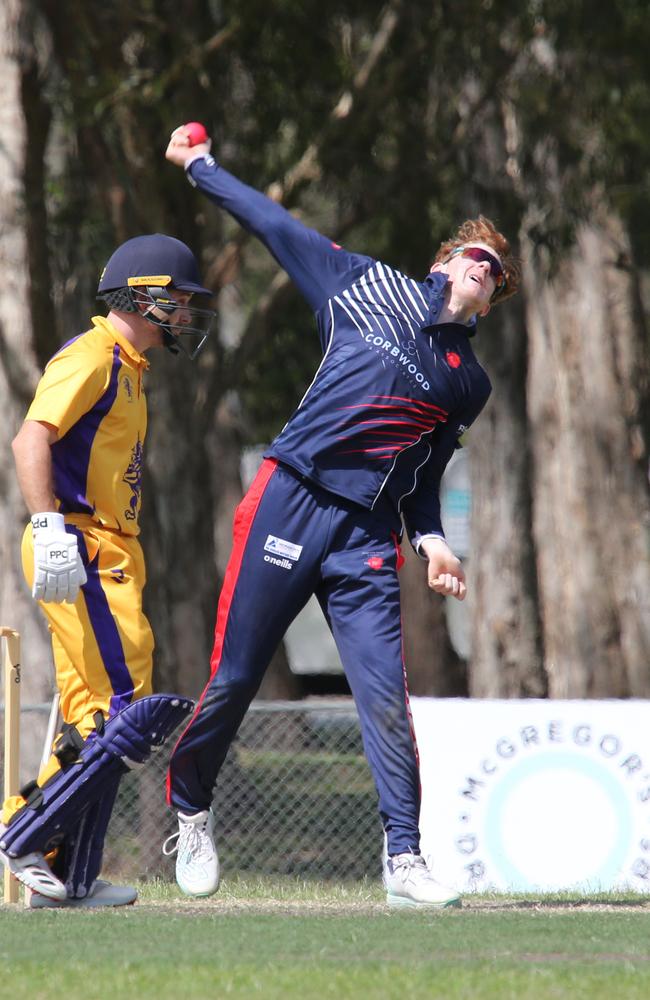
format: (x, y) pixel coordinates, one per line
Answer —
(375, 562)
(453, 359)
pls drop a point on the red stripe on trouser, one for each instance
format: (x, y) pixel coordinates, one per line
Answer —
(244, 518)
(400, 560)
(398, 552)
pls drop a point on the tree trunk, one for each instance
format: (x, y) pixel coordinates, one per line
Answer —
(433, 667)
(507, 657)
(18, 372)
(587, 390)
(177, 527)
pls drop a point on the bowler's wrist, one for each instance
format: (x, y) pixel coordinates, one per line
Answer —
(207, 158)
(426, 541)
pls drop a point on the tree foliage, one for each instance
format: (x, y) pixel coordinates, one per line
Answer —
(385, 127)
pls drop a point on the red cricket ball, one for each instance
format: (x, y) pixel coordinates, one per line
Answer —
(197, 132)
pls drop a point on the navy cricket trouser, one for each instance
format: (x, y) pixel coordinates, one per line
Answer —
(292, 539)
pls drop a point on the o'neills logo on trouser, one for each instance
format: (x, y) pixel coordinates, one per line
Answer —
(283, 553)
(284, 563)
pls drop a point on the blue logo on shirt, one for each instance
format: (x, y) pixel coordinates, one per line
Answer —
(133, 478)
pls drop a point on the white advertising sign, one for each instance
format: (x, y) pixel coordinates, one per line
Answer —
(535, 795)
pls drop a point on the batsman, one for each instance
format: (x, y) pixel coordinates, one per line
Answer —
(79, 457)
(362, 454)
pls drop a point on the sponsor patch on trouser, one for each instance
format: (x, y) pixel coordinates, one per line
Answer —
(281, 547)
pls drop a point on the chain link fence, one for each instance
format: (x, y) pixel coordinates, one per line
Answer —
(294, 797)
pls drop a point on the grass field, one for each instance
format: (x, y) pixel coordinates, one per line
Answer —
(288, 939)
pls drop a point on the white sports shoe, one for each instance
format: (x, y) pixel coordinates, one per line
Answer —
(409, 883)
(102, 894)
(34, 872)
(197, 863)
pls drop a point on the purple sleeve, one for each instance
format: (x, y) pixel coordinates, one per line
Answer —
(317, 266)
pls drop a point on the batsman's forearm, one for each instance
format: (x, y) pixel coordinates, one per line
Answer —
(33, 459)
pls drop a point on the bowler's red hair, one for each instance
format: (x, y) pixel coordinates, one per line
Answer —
(483, 230)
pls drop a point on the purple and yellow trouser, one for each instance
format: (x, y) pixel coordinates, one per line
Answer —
(103, 643)
(292, 539)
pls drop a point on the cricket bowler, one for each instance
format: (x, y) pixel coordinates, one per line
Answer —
(360, 458)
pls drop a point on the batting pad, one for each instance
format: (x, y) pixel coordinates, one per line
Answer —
(83, 849)
(127, 741)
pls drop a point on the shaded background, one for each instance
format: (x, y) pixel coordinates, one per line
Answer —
(385, 127)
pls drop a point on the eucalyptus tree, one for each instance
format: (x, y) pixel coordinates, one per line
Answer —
(384, 127)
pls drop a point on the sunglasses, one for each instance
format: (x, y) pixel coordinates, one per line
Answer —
(479, 254)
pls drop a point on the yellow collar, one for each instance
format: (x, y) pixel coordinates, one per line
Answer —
(102, 323)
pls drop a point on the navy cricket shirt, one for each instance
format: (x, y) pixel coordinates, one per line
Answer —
(395, 389)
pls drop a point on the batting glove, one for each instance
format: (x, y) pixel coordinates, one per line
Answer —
(58, 569)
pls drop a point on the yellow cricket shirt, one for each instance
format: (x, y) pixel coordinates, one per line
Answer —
(91, 391)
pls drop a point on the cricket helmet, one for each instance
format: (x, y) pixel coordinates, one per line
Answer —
(138, 278)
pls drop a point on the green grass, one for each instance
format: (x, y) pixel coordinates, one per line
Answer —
(290, 939)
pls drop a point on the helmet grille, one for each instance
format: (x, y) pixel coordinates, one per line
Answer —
(120, 299)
